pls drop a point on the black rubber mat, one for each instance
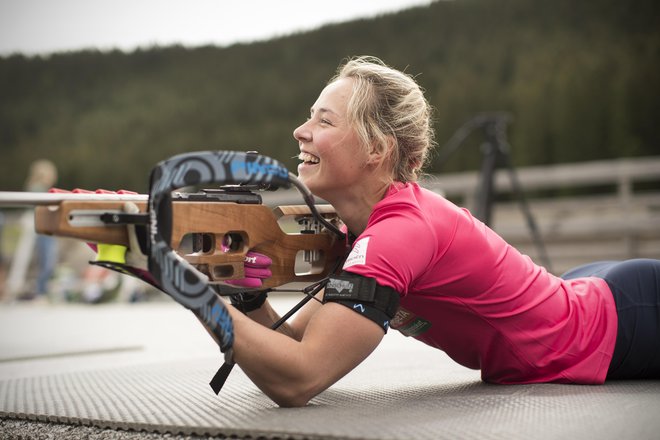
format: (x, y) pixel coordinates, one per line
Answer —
(145, 369)
(397, 400)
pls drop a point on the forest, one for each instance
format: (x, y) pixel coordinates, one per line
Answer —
(580, 80)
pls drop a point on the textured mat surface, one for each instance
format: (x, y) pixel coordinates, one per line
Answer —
(404, 391)
(174, 398)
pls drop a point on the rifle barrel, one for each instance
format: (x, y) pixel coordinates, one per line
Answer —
(23, 198)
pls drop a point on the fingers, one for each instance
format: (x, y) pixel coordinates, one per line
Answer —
(256, 269)
(255, 259)
(257, 272)
(130, 208)
(257, 265)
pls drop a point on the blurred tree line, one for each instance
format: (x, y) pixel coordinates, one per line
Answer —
(581, 80)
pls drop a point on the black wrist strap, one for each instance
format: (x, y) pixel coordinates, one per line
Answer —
(248, 302)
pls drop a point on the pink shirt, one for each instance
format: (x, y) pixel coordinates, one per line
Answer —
(467, 292)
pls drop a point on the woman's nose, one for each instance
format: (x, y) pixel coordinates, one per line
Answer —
(301, 133)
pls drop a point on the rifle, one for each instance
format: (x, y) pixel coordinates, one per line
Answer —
(211, 229)
(222, 225)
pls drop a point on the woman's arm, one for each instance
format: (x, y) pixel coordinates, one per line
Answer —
(335, 340)
(267, 316)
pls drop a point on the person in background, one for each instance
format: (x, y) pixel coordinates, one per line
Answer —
(42, 177)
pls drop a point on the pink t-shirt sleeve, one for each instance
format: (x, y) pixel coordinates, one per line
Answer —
(395, 252)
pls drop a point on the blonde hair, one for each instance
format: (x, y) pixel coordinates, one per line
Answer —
(389, 111)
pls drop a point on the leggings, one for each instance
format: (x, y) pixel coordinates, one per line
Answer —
(635, 285)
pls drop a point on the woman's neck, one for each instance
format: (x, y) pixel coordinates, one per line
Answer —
(355, 207)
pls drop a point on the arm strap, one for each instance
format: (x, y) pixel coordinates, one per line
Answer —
(364, 295)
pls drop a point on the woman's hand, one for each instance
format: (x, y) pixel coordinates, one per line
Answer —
(257, 269)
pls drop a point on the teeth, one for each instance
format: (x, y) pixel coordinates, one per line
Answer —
(306, 157)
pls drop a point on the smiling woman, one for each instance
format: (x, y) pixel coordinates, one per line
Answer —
(426, 267)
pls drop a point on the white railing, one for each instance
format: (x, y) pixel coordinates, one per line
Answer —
(614, 220)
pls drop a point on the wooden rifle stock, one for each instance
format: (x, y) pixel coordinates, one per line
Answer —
(214, 236)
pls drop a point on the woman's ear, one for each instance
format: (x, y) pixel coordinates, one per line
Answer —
(381, 153)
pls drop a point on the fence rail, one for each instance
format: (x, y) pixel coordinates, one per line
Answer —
(617, 221)
(620, 172)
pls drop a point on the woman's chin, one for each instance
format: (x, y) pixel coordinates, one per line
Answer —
(310, 178)
(305, 174)
(309, 183)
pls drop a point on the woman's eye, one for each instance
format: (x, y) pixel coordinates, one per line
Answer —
(325, 121)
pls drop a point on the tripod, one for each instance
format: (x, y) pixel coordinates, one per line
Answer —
(495, 152)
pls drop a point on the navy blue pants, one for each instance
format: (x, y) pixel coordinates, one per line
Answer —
(635, 285)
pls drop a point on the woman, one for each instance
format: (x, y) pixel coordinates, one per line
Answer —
(457, 285)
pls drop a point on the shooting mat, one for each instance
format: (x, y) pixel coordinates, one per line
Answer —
(146, 368)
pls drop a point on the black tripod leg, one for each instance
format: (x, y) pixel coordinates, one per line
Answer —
(485, 190)
(524, 206)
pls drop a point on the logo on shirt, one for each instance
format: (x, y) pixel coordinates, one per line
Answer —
(358, 254)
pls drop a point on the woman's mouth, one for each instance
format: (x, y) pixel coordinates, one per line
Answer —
(308, 159)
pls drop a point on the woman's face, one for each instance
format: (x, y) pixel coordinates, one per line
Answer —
(332, 157)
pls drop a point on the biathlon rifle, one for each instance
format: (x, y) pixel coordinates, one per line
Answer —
(223, 223)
